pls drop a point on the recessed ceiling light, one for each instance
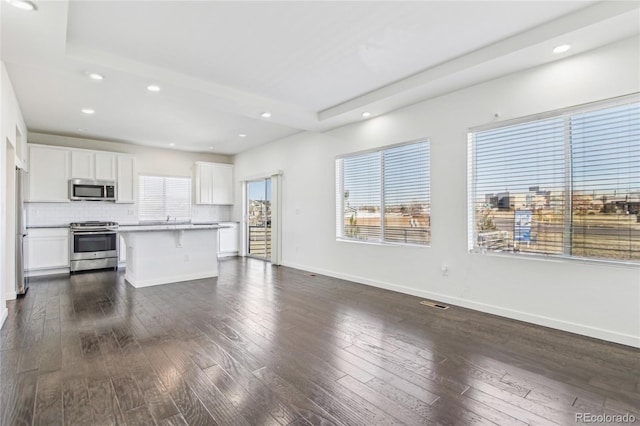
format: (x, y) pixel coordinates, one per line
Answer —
(562, 48)
(265, 114)
(366, 114)
(153, 88)
(22, 4)
(88, 111)
(210, 147)
(172, 144)
(96, 76)
(242, 135)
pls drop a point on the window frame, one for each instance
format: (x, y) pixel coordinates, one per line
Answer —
(471, 159)
(340, 237)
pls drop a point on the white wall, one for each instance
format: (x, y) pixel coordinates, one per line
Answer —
(9, 142)
(149, 161)
(602, 301)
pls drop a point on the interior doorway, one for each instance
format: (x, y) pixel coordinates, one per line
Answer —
(259, 219)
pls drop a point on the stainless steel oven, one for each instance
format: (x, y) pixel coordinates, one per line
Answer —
(93, 245)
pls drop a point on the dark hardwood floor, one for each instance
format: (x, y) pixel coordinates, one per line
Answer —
(266, 345)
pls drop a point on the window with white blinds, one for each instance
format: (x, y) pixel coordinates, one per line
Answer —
(161, 197)
(385, 195)
(565, 184)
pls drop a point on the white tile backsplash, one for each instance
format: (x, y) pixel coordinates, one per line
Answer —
(48, 214)
(200, 214)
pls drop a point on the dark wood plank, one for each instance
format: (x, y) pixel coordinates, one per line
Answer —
(253, 411)
(104, 404)
(18, 403)
(48, 409)
(76, 404)
(127, 392)
(175, 420)
(158, 400)
(274, 345)
(307, 409)
(139, 417)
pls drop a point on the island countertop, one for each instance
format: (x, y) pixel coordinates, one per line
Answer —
(168, 227)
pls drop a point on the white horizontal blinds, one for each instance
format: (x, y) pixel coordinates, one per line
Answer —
(361, 193)
(520, 174)
(151, 198)
(178, 197)
(160, 197)
(606, 183)
(566, 185)
(407, 194)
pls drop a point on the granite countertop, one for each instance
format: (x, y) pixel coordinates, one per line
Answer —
(166, 227)
(150, 226)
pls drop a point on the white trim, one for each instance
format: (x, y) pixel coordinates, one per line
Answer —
(595, 332)
(276, 219)
(168, 280)
(265, 175)
(3, 317)
(381, 148)
(611, 102)
(47, 271)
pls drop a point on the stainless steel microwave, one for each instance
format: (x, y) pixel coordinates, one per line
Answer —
(92, 190)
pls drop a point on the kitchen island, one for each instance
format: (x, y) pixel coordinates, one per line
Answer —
(162, 254)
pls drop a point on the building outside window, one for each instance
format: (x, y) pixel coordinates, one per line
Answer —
(384, 195)
(566, 183)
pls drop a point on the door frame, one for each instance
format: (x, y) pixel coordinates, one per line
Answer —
(276, 214)
(267, 182)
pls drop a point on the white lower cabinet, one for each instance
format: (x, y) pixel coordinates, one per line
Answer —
(228, 239)
(47, 248)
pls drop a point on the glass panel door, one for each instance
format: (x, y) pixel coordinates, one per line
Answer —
(259, 218)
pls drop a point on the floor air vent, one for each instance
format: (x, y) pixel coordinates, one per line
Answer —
(434, 304)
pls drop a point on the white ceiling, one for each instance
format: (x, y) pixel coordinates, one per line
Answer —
(314, 65)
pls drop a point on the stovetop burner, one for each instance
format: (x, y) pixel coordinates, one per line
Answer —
(94, 224)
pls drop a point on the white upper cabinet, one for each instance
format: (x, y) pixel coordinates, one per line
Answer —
(203, 183)
(83, 164)
(94, 165)
(222, 184)
(51, 167)
(105, 166)
(126, 179)
(49, 170)
(213, 183)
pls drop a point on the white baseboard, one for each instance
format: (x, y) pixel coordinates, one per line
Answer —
(227, 254)
(3, 316)
(43, 272)
(11, 295)
(598, 333)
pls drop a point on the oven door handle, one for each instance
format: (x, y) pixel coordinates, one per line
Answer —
(93, 232)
